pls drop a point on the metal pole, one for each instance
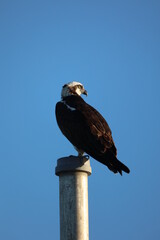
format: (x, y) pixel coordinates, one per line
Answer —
(73, 175)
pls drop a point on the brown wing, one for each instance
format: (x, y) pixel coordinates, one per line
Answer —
(99, 129)
(84, 127)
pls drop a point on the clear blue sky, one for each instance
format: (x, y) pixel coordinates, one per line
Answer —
(113, 48)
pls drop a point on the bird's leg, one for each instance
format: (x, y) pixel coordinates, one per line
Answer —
(83, 157)
(80, 154)
(86, 156)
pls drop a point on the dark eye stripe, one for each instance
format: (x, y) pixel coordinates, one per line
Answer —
(64, 85)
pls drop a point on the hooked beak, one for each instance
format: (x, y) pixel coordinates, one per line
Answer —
(85, 93)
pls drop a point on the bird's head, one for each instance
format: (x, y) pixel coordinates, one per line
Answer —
(73, 88)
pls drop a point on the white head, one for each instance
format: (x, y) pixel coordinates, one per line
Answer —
(73, 88)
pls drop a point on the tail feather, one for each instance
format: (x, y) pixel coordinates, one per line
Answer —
(114, 164)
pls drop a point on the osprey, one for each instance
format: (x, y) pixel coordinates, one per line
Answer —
(85, 128)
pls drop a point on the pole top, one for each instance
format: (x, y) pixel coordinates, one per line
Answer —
(73, 164)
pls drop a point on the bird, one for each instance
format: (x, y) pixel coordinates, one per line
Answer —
(86, 128)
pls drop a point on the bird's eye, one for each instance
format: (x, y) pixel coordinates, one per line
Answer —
(79, 86)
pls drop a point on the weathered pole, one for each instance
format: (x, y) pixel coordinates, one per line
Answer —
(73, 175)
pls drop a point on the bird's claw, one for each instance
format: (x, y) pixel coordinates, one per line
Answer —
(86, 156)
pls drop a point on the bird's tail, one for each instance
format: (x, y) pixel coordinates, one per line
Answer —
(115, 165)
